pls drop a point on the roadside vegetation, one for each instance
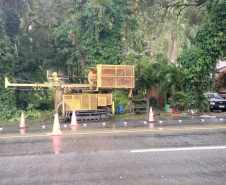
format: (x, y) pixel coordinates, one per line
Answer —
(173, 44)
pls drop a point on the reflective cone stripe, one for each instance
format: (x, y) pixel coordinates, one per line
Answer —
(151, 125)
(22, 130)
(22, 121)
(74, 128)
(151, 116)
(74, 119)
(56, 126)
(56, 143)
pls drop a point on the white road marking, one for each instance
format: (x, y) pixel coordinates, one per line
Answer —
(178, 149)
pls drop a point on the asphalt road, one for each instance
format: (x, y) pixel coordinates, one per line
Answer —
(191, 151)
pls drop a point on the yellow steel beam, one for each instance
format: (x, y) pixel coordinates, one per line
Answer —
(130, 93)
(76, 85)
(35, 85)
(38, 85)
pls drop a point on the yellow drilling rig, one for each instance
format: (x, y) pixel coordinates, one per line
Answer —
(96, 100)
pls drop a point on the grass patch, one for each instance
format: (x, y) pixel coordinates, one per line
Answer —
(31, 117)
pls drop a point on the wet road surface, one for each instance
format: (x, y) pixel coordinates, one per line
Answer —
(129, 151)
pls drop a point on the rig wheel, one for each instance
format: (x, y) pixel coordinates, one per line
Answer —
(104, 116)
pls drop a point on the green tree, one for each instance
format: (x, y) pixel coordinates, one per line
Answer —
(12, 24)
(165, 77)
(196, 68)
(34, 48)
(7, 98)
(200, 61)
(98, 30)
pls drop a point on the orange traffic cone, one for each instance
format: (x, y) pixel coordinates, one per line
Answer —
(73, 119)
(56, 144)
(56, 126)
(151, 116)
(22, 121)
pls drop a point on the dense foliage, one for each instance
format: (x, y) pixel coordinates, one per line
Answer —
(196, 68)
(95, 30)
(198, 63)
(69, 36)
(7, 97)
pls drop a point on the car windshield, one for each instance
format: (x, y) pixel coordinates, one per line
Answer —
(215, 95)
